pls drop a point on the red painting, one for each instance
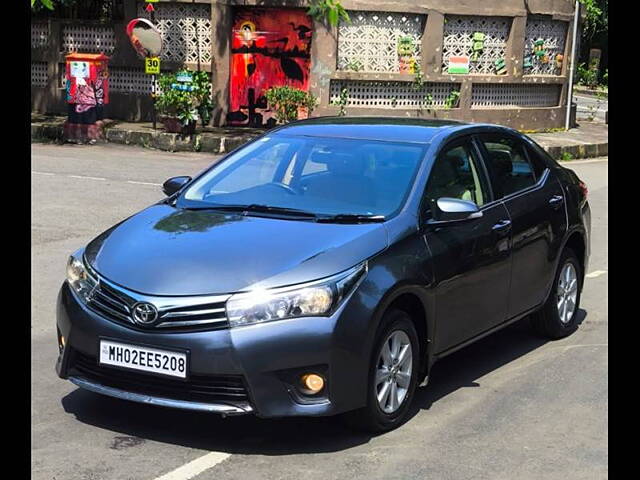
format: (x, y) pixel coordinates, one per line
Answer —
(269, 48)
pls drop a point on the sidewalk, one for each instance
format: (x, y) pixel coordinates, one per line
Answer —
(589, 140)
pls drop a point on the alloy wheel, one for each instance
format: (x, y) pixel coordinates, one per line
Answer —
(567, 293)
(393, 372)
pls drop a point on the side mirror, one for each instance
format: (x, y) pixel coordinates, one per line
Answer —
(455, 210)
(174, 184)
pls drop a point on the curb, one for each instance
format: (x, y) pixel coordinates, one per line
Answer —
(590, 93)
(170, 142)
(219, 144)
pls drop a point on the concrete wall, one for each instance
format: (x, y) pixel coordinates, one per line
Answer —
(324, 61)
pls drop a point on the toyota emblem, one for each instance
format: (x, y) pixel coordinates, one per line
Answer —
(144, 313)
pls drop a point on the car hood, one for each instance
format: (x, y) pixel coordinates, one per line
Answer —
(167, 251)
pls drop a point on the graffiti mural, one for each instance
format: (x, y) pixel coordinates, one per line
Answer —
(269, 48)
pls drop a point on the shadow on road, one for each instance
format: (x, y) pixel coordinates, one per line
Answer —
(136, 422)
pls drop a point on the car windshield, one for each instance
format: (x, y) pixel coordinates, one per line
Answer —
(312, 175)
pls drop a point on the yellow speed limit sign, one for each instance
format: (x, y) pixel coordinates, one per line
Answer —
(152, 65)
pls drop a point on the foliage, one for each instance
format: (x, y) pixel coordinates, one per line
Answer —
(419, 84)
(597, 17)
(285, 102)
(186, 106)
(406, 46)
(342, 102)
(329, 11)
(566, 156)
(587, 76)
(452, 100)
(354, 65)
(605, 77)
(38, 4)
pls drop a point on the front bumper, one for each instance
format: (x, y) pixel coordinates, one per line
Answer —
(267, 358)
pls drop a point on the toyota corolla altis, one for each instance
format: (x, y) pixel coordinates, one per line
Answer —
(324, 268)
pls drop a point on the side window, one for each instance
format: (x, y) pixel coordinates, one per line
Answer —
(508, 161)
(537, 160)
(456, 174)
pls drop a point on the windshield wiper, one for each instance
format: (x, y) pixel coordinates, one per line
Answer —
(257, 209)
(351, 218)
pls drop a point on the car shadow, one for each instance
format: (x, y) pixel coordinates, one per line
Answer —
(134, 422)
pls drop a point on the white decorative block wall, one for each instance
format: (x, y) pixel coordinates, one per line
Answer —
(39, 74)
(371, 39)
(129, 80)
(88, 39)
(186, 30)
(514, 95)
(458, 33)
(554, 34)
(378, 94)
(39, 35)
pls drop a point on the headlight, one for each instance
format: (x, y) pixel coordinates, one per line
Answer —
(312, 299)
(79, 278)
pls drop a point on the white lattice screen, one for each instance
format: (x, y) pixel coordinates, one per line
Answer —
(186, 30)
(39, 35)
(554, 34)
(39, 74)
(375, 94)
(129, 80)
(88, 39)
(514, 95)
(458, 33)
(370, 41)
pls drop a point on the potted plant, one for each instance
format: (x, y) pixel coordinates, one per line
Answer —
(289, 104)
(185, 97)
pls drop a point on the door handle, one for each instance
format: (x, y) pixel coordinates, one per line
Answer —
(556, 201)
(502, 227)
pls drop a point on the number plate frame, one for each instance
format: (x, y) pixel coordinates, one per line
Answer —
(144, 346)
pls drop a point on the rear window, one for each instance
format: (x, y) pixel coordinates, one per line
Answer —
(509, 164)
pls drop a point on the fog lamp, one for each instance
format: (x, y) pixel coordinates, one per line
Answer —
(312, 382)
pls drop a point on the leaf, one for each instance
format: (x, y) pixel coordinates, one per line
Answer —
(333, 17)
(48, 4)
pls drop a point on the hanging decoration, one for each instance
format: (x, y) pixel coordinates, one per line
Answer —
(478, 45)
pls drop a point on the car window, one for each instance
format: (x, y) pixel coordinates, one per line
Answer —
(456, 174)
(537, 161)
(507, 160)
(325, 176)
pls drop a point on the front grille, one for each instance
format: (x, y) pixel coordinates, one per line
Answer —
(174, 313)
(198, 388)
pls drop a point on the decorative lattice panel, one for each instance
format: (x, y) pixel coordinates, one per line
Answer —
(500, 95)
(458, 33)
(554, 34)
(375, 94)
(39, 35)
(88, 39)
(39, 74)
(186, 31)
(129, 80)
(370, 42)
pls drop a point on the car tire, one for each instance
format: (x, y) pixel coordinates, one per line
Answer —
(396, 326)
(559, 315)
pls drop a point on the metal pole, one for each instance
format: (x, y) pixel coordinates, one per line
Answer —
(573, 54)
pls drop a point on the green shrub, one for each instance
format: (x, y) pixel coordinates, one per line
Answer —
(187, 106)
(285, 102)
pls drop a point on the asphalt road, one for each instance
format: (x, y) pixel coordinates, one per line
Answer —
(510, 406)
(590, 108)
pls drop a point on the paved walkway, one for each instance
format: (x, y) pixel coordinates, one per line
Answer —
(589, 140)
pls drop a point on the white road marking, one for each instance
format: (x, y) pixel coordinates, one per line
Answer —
(595, 274)
(43, 173)
(88, 178)
(143, 183)
(196, 467)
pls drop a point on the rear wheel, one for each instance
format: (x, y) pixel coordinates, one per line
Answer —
(558, 317)
(392, 375)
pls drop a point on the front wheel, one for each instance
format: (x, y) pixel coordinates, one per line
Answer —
(559, 315)
(392, 375)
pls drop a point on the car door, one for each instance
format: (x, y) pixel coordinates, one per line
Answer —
(535, 200)
(471, 259)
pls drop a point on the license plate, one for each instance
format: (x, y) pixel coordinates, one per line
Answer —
(144, 359)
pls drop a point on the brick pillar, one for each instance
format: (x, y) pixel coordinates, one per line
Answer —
(324, 61)
(515, 47)
(432, 39)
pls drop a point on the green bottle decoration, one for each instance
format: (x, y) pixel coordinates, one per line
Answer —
(477, 46)
(501, 67)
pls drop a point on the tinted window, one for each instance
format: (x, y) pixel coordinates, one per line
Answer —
(455, 174)
(508, 162)
(320, 175)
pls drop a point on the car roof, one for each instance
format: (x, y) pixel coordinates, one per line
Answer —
(390, 129)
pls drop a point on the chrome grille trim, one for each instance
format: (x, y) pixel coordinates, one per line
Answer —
(115, 303)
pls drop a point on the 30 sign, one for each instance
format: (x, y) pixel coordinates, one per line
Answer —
(152, 65)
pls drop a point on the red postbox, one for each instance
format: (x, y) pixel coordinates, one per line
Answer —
(87, 90)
